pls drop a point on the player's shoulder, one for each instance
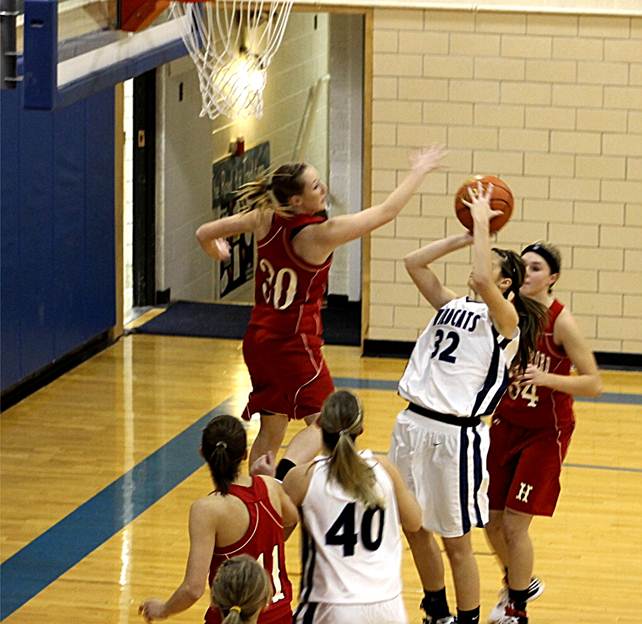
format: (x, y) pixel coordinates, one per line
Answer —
(297, 481)
(565, 323)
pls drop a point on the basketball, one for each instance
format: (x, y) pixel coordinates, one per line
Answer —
(501, 199)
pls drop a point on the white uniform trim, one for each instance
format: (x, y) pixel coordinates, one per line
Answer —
(444, 465)
(459, 365)
(351, 555)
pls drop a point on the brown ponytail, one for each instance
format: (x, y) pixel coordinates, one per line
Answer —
(341, 421)
(532, 314)
(223, 445)
(240, 589)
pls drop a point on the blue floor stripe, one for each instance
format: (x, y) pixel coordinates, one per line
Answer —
(58, 549)
(386, 384)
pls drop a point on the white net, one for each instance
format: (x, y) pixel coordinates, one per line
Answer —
(232, 44)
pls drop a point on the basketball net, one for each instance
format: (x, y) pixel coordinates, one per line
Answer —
(232, 44)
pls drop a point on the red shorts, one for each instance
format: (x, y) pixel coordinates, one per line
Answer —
(289, 375)
(524, 466)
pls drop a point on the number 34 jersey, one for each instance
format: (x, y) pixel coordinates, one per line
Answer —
(535, 407)
(351, 555)
(460, 363)
(288, 291)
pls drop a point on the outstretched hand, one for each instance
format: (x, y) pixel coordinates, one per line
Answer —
(479, 203)
(428, 159)
(533, 375)
(220, 249)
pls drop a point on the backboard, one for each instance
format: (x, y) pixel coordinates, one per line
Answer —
(73, 48)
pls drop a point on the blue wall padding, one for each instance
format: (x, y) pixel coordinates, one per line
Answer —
(58, 245)
(9, 236)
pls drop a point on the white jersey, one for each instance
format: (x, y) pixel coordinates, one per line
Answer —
(350, 554)
(460, 363)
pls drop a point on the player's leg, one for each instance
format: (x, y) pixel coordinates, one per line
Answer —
(430, 567)
(501, 464)
(519, 548)
(269, 437)
(303, 447)
(465, 577)
(410, 448)
(495, 536)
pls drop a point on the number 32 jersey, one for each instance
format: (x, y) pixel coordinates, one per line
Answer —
(460, 363)
(351, 555)
(288, 291)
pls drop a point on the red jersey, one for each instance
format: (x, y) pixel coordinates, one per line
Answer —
(536, 407)
(288, 291)
(263, 540)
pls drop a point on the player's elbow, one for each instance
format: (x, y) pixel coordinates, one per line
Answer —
(193, 591)
(201, 234)
(411, 519)
(413, 264)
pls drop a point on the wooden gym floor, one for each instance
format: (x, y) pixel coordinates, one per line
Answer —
(99, 469)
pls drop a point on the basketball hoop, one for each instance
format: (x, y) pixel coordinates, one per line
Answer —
(232, 44)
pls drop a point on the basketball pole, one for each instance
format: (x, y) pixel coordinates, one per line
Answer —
(8, 53)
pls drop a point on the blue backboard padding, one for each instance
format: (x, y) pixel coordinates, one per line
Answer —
(40, 62)
(119, 72)
(58, 230)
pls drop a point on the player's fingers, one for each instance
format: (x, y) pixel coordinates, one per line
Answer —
(489, 190)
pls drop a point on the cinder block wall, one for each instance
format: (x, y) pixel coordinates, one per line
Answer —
(552, 104)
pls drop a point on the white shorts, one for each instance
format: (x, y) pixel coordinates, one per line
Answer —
(386, 612)
(445, 467)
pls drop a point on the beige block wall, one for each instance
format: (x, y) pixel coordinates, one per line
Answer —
(552, 104)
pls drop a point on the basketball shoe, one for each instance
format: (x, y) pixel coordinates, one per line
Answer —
(535, 590)
(445, 620)
(513, 616)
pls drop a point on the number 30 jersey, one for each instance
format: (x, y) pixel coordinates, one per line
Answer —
(351, 555)
(460, 363)
(287, 290)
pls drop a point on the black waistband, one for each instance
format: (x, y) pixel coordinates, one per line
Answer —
(460, 421)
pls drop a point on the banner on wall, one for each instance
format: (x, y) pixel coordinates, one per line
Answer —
(228, 174)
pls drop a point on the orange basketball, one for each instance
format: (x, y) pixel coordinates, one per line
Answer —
(501, 199)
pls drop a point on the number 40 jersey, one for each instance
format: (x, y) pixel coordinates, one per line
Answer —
(460, 363)
(351, 555)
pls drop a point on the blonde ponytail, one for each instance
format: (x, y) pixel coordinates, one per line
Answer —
(240, 589)
(272, 190)
(341, 421)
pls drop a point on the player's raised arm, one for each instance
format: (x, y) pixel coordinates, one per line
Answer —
(418, 266)
(316, 243)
